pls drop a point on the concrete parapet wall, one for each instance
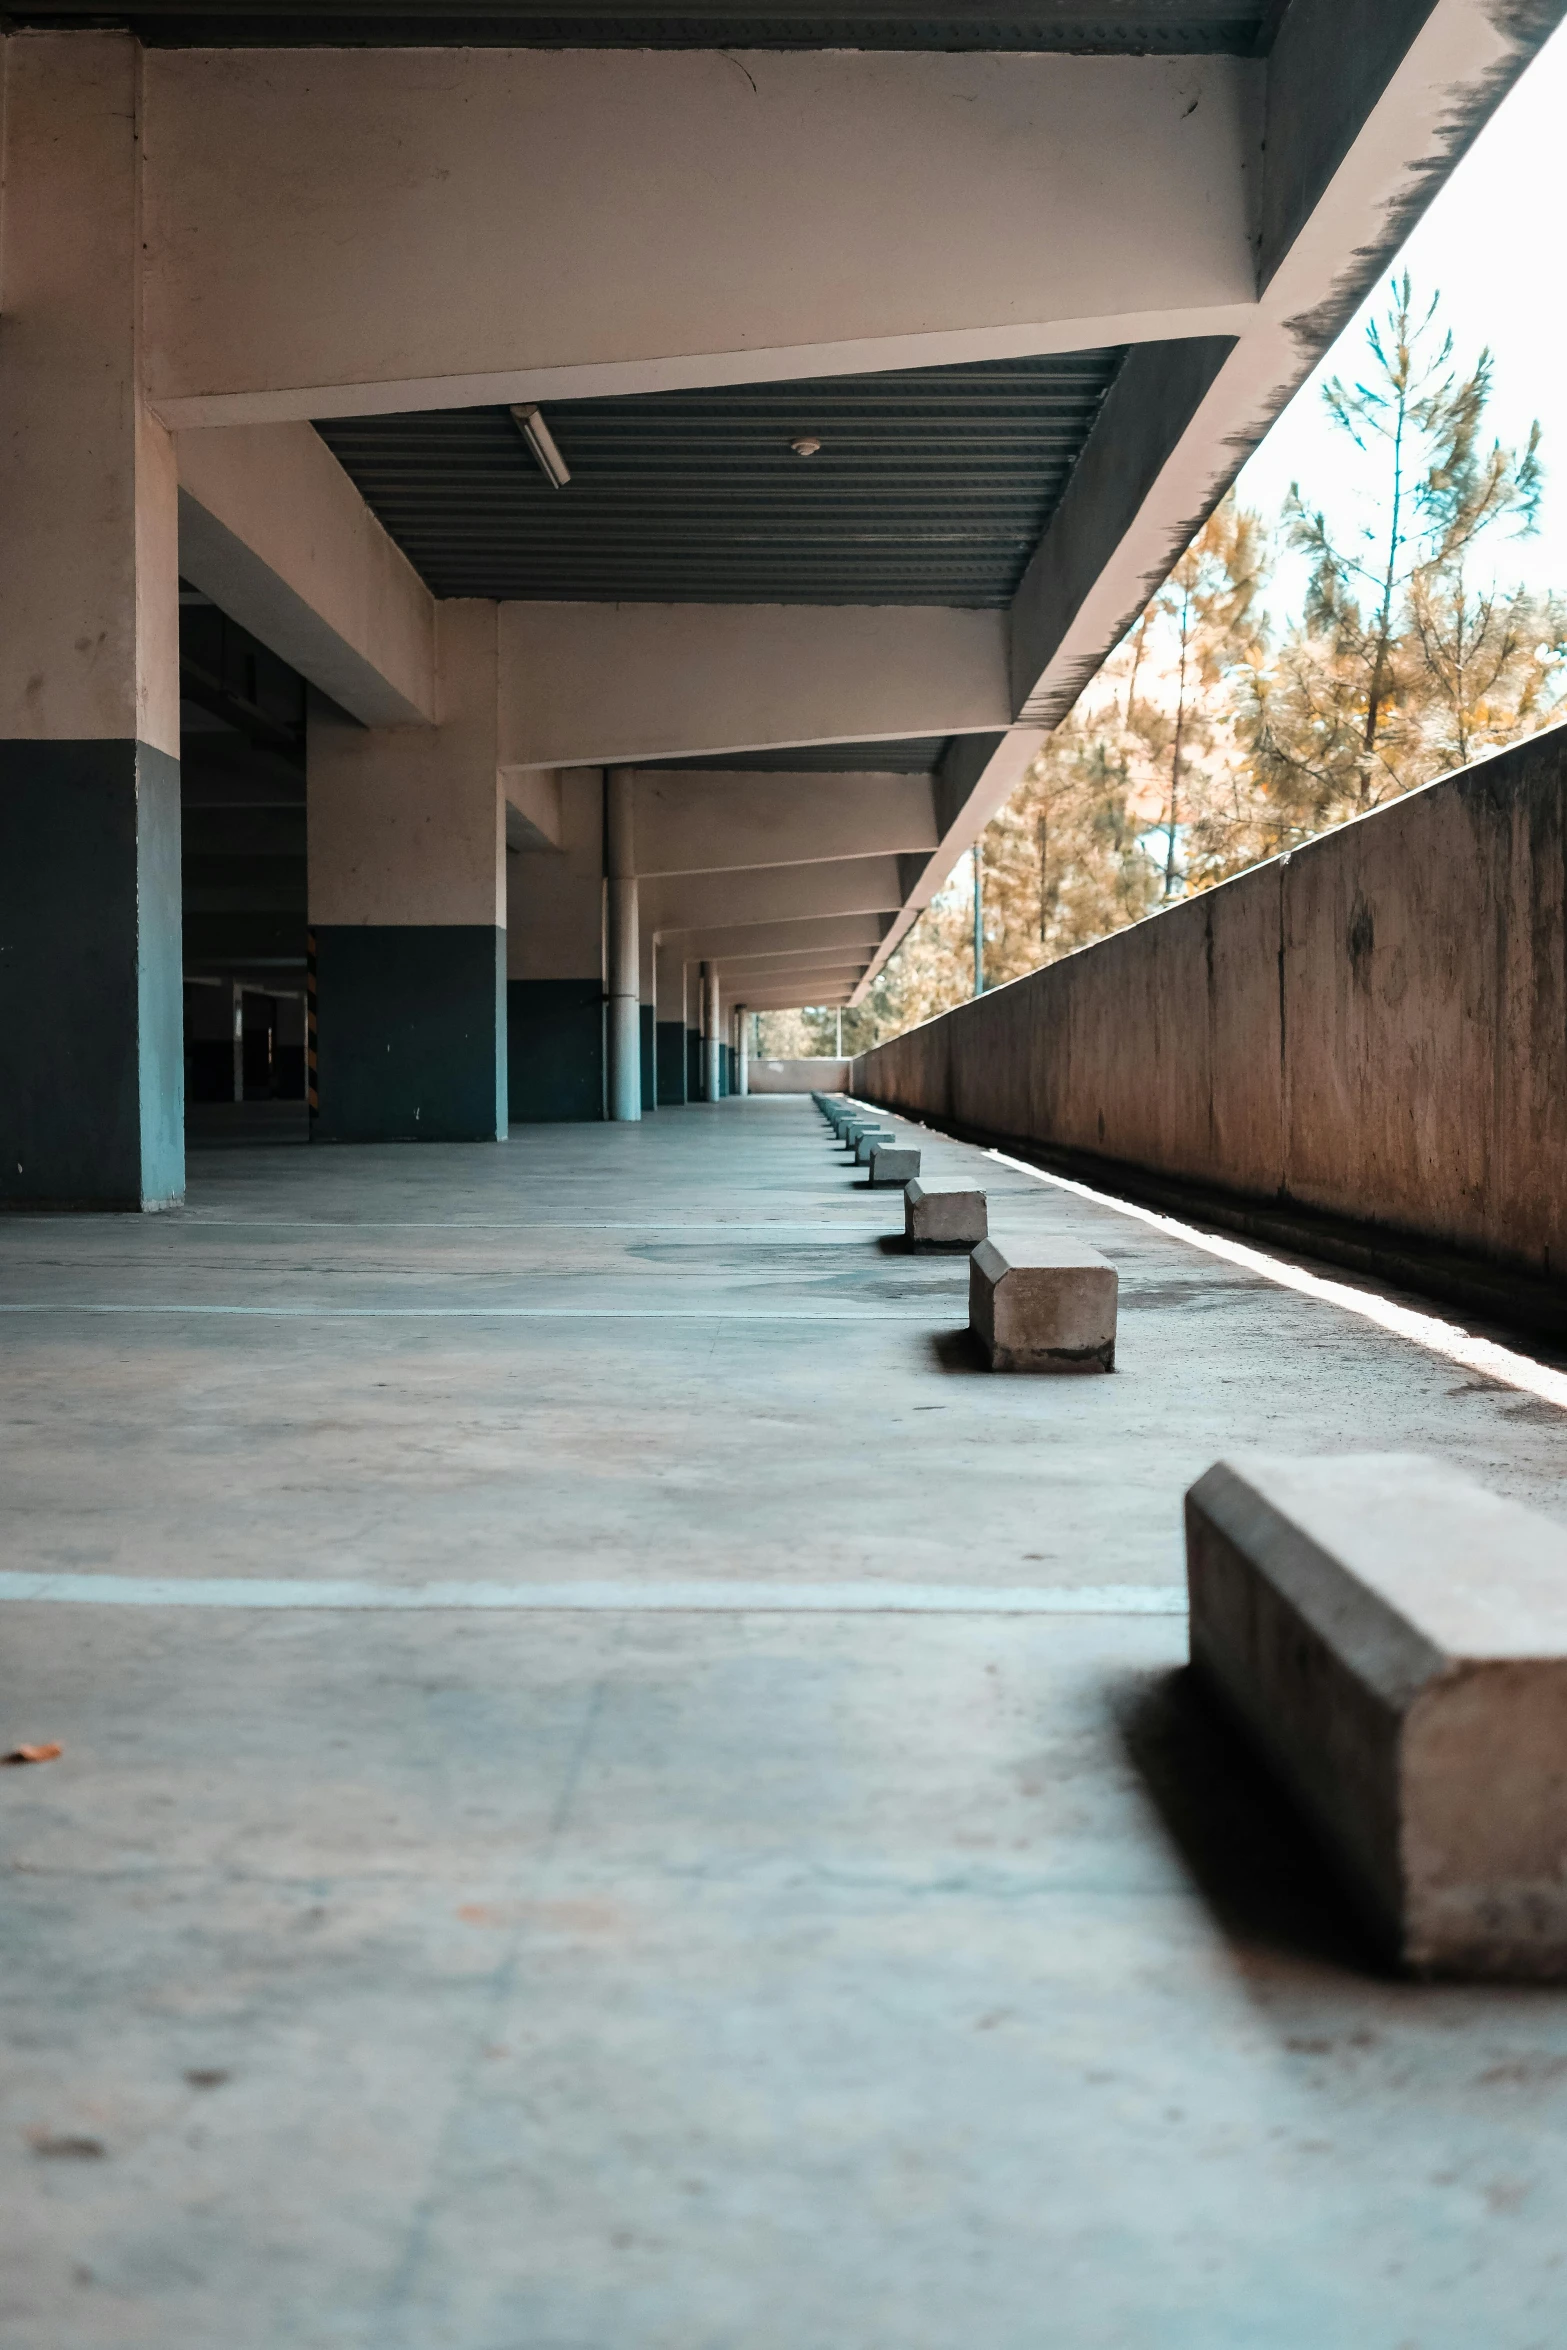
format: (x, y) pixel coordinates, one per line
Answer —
(1374, 1027)
(798, 1076)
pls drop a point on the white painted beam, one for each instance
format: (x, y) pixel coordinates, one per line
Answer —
(340, 232)
(741, 983)
(786, 1001)
(533, 809)
(718, 822)
(819, 935)
(771, 893)
(598, 685)
(273, 530)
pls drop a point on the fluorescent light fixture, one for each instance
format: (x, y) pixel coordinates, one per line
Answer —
(537, 434)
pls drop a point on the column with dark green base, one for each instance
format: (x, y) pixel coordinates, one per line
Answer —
(555, 1038)
(411, 1032)
(407, 892)
(91, 1044)
(672, 1063)
(91, 1010)
(649, 1060)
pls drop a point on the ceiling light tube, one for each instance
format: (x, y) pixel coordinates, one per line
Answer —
(537, 434)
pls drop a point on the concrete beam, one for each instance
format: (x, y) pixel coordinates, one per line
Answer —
(719, 822)
(340, 232)
(533, 809)
(596, 685)
(816, 936)
(771, 893)
(788, 973)
(786, 1000)
(273, 530)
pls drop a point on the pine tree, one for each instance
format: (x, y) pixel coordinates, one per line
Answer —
(1400, 666)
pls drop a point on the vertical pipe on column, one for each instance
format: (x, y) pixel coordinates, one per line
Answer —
(625, 988)
(711, 1040)
(743, 1086)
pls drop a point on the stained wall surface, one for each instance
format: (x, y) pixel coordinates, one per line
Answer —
(1374, 1026)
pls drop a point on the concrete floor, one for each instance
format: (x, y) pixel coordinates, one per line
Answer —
(730, 1980)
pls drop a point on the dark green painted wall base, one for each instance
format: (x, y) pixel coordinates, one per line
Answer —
(649, 1061)
(92, 1047)
(726, 1068)
(693, 1065)
(555, 1029)
(671, 1063)
(410, 1032)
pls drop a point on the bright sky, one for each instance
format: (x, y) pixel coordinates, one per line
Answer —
(1487, 244)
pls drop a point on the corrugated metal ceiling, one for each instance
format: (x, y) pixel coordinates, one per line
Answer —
(1116, 27)
(931, 486)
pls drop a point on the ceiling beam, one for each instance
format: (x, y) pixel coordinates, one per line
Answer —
(338, 232)
(770, 893)
(593, 685)
(718, 822)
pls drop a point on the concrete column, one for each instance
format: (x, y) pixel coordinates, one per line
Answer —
(407, 900)
(712, 1038)
(647, 1015)
(670, 1024)
(694, 996)
(555, 960)
(624, 988)
(744, 1085)
(91, 1043)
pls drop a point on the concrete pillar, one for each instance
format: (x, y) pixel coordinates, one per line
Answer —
(407, 857)
(670, 1024)
(696, 1014)
(91, 1044)
(555, 962)
(624, 961)
(744, 1085)
(712, 1040)
(647, 1017)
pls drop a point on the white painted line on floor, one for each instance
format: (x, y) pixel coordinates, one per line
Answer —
(483, 1313)
(193, 1220)
(690, 1598)
(1427, 1330)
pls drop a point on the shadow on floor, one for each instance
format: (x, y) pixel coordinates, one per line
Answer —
(958, 1350)
(1244, 1844)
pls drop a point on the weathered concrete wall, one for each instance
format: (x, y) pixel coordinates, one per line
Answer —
(1374, 1027)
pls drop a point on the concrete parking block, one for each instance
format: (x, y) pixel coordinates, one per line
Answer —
(943, 1219)
(1394, 1638)
(1037, 1304)
(893, 1163)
